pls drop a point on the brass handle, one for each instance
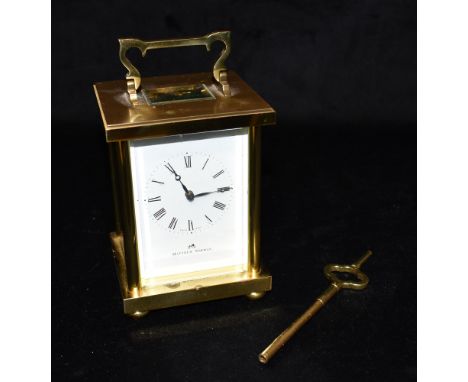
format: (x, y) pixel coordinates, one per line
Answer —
(219, 69)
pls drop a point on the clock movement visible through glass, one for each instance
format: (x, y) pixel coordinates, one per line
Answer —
(191, 204)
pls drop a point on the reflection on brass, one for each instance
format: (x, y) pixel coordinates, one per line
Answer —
(254, 201)
(337, 284)
(125, 217)
(118, 251)
(172, 94)
(219, 68)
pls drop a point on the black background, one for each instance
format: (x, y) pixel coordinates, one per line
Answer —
(339, 176)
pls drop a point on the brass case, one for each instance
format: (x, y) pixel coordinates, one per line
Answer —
(125, 120)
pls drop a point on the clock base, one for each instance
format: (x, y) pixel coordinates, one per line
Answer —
(193, 291)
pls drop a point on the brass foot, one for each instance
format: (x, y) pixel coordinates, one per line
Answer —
(255, 295)
(136, 315)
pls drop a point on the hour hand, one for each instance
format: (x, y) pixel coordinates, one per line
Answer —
(222, 189)
(188, 193)
(185, 188)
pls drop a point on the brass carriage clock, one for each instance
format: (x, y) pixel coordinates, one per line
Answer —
(185, 158)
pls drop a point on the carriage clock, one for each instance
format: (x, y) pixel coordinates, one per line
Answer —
(185, 160)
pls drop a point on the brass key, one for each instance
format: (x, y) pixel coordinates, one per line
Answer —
(336, 285)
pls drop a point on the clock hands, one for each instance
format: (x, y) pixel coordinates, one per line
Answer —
(188, 194)
(222, 189)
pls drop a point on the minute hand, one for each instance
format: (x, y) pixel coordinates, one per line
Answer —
(222, 189)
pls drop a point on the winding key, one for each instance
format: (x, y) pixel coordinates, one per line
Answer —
(337, 284)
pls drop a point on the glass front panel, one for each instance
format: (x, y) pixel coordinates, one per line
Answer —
(191, 204)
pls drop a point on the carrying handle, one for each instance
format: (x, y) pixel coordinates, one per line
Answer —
(219, 69)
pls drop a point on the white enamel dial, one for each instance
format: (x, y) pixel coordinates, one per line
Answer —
(191, 203)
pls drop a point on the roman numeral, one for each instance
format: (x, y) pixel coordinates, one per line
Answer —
(156, 181)
(218, 174)
(208, 218)
(173, 223)
(219, 205)
(160, 213)
(155, 199)
(188, 161)
(205, 163)
(190, 225)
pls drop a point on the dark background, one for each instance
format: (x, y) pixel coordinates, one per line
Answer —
(339, 176)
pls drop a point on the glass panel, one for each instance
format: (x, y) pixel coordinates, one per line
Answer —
(191, 203)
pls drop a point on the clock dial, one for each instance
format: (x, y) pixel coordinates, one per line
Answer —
(186, 191)
(191, 203)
